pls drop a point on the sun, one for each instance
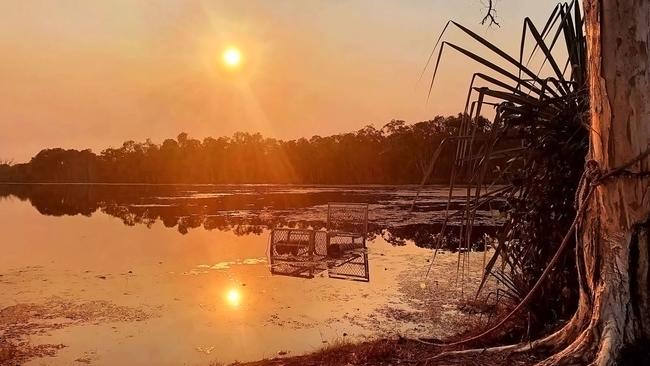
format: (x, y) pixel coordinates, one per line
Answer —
(232, 57)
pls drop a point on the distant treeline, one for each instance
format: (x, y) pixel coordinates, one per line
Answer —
(398, 153)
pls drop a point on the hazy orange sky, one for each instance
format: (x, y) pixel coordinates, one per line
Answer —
(79, 74)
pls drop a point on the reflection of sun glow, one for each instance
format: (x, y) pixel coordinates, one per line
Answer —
(233, 297)
(232, 57)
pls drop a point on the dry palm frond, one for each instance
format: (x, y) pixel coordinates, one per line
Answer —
(534, 150)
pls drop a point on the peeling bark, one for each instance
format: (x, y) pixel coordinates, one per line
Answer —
(614, 233)
(613, 253)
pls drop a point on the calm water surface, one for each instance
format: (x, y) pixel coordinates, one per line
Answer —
(169, 275)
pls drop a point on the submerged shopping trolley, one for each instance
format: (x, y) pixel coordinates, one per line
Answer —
(347, 227)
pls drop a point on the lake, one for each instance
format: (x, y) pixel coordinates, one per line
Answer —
(181, 274)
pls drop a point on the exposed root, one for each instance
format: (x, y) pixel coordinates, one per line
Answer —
(513, 348)
(551, 342)
(610, 345)
(574, 354)
(562, 337)
(577, 353)
(554, 342)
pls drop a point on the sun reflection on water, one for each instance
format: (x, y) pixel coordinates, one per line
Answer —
(233, 297)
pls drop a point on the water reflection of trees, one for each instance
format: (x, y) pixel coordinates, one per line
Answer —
(185, 208)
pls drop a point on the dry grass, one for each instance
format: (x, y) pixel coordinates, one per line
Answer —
(404, 351)
(389, 352)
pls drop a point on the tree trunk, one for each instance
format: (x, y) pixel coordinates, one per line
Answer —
(614, 257)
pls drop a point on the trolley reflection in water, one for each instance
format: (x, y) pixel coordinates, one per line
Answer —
(306, 254)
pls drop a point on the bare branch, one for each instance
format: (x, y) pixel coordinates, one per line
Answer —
(490, 15)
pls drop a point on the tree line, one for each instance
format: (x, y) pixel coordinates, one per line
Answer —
(397, 153)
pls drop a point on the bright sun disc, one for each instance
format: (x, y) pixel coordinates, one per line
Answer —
(232, 57)
(233, 297)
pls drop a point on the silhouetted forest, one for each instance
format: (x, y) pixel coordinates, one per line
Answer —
(398, 153)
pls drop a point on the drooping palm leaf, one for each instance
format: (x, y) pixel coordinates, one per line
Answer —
(537, 138)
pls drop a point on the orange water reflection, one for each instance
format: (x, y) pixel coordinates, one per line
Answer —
(233, 297)
(212, 294)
